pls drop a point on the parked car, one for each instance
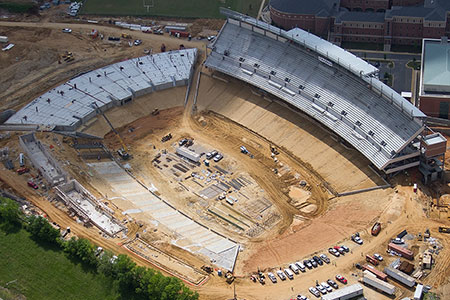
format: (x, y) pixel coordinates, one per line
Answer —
(318, 260)
(332, 283)
(211, 37)
(67, 30)
(23, 170)
(324, 258)
(281, 275)
(358, 266)
(326, 286)
(321, 289)
(314, 291)
(398, 241)
(289, 273)
(378, 256)
(137, 42)
(334, 252)
(33, 185)
(339, 249)
(301, 266)
(211, 154)
(182, 142)
(218, 157)
(294, 268)
(272, 277)
(313, 263)
(357, 239)
(346, 249)
(341, 278)
(301, 297)
(307, 264)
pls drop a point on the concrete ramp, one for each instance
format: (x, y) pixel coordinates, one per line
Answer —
(190, 235)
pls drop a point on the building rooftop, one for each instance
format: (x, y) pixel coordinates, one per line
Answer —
(316, 7)
(359, 16)
(436, 66)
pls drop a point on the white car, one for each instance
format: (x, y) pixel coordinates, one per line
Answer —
(211, 37)
(137, 42)
(314, 291)
(272, 277)
(67, 30)
(326, 286)
(321, 289)
(294, 268)
(378, 257)
(218, 157)
(281, 275)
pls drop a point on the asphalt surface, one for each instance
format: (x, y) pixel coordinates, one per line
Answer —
(402, 75)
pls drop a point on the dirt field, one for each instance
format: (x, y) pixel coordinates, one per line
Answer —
(229, 115)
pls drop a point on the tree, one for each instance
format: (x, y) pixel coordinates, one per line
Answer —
(82, 249)
(41, 230)
(10, 215)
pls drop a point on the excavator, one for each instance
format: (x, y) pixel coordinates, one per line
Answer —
(123, 152)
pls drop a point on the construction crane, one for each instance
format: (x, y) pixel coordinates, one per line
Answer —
(123, 152)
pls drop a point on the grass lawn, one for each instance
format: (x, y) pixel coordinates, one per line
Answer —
(40, 273)
(169, 8)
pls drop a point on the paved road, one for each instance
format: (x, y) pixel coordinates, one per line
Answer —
(402, 74)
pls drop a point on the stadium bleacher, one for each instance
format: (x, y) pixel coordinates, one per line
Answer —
(70, 104)
(381, 126)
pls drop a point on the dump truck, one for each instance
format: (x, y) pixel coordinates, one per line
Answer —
(372, 260)
(373, 281)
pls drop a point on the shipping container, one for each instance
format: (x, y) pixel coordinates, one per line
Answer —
(418, 292)
(379, 274)
(3, 39)
(380, 285)
(400, 276)
(348, 292)
(187, 153)
(403, 251)
(179, 33)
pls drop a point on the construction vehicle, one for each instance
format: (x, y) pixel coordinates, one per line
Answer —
(274, 150)
(66, 56)
(229, 277)
(126, 36)
(123, 152)
(166, 137)
(207, 269)
(163, 48)
(155, 112)
(444, 229)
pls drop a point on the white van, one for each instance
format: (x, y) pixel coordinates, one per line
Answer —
(301, 266)
(289, 273)
(294, 268)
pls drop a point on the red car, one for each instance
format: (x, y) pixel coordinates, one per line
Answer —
(23, 170)
(33, 185)
(341, 279)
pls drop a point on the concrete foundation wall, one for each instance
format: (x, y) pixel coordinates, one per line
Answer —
(42, 160)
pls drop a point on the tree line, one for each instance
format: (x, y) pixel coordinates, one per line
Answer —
(132, 281)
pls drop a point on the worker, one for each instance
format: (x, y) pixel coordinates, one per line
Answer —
(37, 109)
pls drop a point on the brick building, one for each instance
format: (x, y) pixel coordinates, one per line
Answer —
(434, 93)
(386, 22)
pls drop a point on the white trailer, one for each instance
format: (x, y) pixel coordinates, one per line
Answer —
(186, 152)
(378, 284)
(418, 292)
(3, 39)
(400, 276)
(348, 292)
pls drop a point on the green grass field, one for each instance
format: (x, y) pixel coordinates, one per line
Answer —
(41, 273)
(169, 8)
